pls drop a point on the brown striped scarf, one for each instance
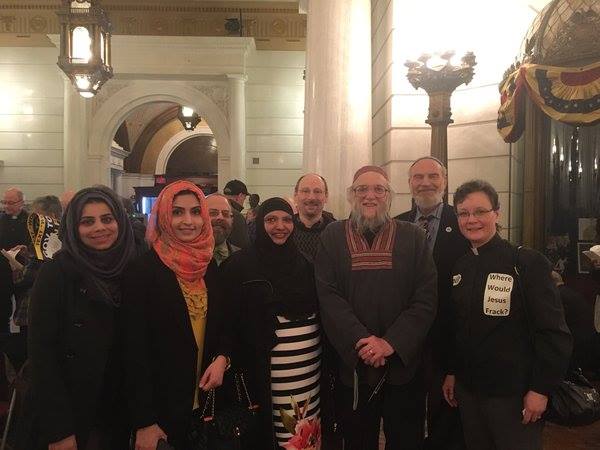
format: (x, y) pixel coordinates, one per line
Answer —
(377, 257)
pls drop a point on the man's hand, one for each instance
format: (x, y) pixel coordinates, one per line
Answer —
(147, 438)
(68, 443)
(448, 390)
(534, 405)
(373, 350)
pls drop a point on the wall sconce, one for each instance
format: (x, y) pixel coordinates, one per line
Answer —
(188, 118)
(85, 54)
(440, 78)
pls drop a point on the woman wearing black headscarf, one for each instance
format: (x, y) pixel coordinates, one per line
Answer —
(73, 341)
(273, 287)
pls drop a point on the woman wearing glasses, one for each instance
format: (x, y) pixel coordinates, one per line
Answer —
(511, 345)
(175, 319)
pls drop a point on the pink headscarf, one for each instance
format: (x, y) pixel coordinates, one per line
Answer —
(188, 260)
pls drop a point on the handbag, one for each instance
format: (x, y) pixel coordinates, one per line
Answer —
(228, 427)
(574, 401)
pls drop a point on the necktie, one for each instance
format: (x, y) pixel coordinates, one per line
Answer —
(424, 221)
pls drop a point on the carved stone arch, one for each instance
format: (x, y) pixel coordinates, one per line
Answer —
(117, 107)
(171, 145)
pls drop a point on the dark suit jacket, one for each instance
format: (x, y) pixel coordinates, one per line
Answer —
(449, 246)
(160, 348)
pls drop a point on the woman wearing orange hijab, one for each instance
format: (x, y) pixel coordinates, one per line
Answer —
(175, 319)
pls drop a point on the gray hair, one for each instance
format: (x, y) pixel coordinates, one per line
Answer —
(432, 158)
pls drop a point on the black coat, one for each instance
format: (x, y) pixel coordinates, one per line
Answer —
(449, 246)
(508, 353)
(256, 319)
(73, 355)
(160, 348)
(13, 231)
(6, 292)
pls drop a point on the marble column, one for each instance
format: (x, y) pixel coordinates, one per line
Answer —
(75, 138)
(337, 122)
(237, 126)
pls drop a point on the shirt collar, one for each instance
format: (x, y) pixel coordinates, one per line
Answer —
(436, 213)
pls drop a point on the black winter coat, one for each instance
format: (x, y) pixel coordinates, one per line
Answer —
(74, 358)
(500, 348)
(160, 348)
(251, 294)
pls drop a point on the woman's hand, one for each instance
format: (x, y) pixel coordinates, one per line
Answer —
(448, 390)
(534, 405)
(147, 438)
(213, 375)
(68, 443)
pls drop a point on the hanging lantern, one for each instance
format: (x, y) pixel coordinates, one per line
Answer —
(85, 45)
(188, 118)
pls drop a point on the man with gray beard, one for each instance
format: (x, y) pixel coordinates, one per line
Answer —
(376, 282)
(221, 219)
(427, 180)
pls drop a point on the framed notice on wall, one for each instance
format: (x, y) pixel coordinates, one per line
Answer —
(584, 265)
(586, 228)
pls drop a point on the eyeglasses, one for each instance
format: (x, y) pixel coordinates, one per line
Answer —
(224, 212)
(306, 191)
(378, 190)
(9, 203)
(478, 213)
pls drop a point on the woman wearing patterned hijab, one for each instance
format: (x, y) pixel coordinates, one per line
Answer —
(73, 334)
(273, 287)
(176, 338)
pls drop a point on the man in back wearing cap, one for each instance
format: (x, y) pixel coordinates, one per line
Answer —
(376, 282)
(427, 181)
(236, 192)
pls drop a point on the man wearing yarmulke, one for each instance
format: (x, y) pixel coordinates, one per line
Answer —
(376, 281)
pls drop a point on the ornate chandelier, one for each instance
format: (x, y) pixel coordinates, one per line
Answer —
(85, 45)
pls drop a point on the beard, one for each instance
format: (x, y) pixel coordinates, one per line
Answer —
(312, 213)
(428, 201)
(221, 233)
(363, 224)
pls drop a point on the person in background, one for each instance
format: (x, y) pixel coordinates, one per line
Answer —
(13, 222)
(254, 201)
(579, 315)
(221, 219)
(236, 192)
(73, 340)
(511, 346)
(310, 196)
(175, 320)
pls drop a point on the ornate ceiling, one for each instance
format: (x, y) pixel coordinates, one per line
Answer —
(275, 25)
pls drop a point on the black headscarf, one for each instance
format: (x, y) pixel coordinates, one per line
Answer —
(103, 267)
(288, 271)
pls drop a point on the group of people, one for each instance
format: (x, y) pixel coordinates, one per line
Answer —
(426, 321)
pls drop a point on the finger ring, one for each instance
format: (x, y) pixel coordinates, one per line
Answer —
(371, 352)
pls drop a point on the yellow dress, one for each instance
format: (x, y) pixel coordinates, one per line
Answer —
(196, 299)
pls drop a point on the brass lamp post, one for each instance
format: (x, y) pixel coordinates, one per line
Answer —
(440, 82)
(188, 118)
(85, 45)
